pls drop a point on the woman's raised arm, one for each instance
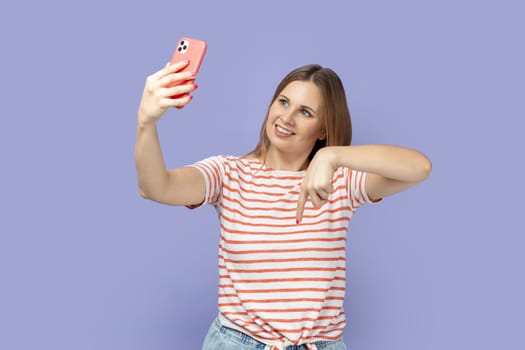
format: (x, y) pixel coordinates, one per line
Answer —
(181, 186)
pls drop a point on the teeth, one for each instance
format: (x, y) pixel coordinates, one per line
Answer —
(284, 131)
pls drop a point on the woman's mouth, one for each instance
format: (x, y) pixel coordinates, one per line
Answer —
(280, 131)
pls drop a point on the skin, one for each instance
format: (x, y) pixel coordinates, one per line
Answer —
(390, 169)
(296, 110)
(156, 98)
(181, 186)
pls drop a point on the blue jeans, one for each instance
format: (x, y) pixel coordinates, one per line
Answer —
(224, 338)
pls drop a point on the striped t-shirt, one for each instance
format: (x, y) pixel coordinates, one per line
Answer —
(280, 282)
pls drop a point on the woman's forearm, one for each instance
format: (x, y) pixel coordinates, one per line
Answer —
(151, 170)
(392, 162)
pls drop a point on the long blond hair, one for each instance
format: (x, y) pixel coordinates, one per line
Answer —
(338, 125)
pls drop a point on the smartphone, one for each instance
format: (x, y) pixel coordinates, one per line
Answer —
(192, 50)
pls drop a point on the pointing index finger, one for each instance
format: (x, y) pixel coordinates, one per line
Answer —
(300, 205)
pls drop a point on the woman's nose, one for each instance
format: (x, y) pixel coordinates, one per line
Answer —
(288, 118)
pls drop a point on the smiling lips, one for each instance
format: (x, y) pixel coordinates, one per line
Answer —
(282, 132)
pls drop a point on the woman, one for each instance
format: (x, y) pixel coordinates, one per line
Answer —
(284, 208)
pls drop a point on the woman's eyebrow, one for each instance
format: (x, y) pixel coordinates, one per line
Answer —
(302, 106)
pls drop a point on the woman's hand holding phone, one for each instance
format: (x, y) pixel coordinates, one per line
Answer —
(157, 96)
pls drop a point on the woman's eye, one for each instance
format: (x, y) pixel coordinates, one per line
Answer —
(305, 113)
(283, 102)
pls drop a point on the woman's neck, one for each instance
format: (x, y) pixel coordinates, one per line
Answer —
(281, 161)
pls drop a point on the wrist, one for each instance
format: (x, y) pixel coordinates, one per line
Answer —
(143, 122)
(330, 155)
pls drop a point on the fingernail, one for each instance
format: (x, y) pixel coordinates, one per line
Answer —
(191, 97)
(297, 221)
(193, 74)
(195, 86)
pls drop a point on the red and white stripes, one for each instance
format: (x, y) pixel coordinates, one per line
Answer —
(280, 282)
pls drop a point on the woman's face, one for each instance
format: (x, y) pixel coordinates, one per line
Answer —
(294, 121)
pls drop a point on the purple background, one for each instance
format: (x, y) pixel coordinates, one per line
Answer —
(86, 263)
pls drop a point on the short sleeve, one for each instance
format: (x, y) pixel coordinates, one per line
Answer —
(212, 169)
(357, 189)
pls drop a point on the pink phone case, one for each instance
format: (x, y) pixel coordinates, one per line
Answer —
(192, 50)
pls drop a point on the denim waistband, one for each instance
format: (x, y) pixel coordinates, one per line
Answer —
(249, 341)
